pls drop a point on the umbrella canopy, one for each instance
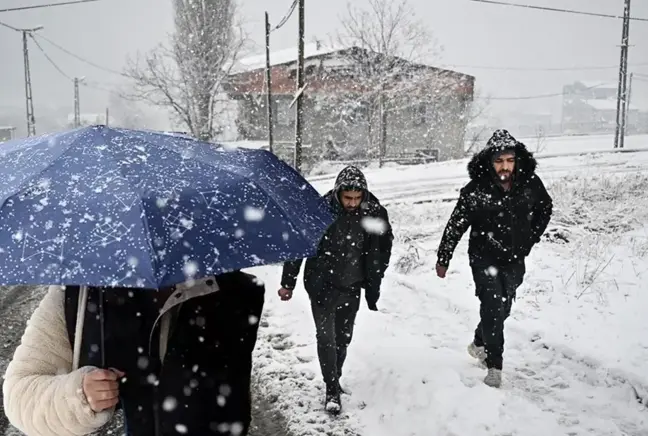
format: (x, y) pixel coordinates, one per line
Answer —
(112, 207)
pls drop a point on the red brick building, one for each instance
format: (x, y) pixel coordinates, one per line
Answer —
(424, 105)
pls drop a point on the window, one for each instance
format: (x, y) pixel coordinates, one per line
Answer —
(285, 115)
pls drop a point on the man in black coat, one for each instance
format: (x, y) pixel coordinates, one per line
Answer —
(353, 254)
(508, 209)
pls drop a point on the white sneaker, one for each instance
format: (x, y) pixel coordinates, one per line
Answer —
(493, 378)
(476, 352)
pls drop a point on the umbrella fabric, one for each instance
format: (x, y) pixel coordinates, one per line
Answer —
(112, 207)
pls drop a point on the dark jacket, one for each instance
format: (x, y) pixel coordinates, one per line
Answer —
(370, 231)
(203, 383)
(504, 225)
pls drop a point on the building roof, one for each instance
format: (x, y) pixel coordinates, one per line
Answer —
(311, 50)
(607, 105)
(285, 56)
(600, 84)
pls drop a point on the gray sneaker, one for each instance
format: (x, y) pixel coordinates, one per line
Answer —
(478, 353)
(493, 378)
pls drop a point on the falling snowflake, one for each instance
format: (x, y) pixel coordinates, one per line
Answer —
(373, 225)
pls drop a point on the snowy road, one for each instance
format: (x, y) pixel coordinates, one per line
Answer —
(442, 181)
(576, 341)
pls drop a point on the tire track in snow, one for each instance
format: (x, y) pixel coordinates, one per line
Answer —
(583, 394)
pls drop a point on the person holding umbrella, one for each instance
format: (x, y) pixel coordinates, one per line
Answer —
(145, 236)
(178, 360)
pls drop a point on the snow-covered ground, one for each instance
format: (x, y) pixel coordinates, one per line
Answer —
(577, 340)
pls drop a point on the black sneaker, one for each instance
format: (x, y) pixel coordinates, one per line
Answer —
(333, 402)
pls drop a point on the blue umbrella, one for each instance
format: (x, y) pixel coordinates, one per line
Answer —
(102, 206)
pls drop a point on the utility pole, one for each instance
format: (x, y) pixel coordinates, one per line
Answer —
(107, 117)
(77, 109)
(627, 109)
(382, 150)
(268, 82)
(29, 99)
(619, 134)
(300, 91)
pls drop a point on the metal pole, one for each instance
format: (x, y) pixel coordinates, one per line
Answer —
(623, 65)
(629, 99)
(269, 83)
(624, 99)
(300, 85)
(77, 109)
(383, 129)
(107, 117)
(29, 99)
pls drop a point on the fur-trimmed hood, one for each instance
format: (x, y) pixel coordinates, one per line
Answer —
(480, 166)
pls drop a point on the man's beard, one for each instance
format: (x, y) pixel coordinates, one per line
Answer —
(504, 176)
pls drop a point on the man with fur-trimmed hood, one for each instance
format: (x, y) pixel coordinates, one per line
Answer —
(353, 254)
(508, 209)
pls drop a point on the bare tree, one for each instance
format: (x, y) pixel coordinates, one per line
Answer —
(127, 113)
(186, 76)
(476, 128)
(389, 49)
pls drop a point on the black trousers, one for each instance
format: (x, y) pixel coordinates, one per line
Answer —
(334, 311)
(496, 290)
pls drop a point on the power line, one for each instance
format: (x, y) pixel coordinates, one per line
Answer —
(545, 8)
(82, 59)
(285, 19)
(9, 27)
(533, 97)
(50, 59)
(22, 8)
(582, 68)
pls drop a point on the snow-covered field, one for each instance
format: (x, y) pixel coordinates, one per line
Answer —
(577, 340)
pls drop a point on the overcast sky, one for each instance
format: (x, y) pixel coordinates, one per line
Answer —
(473, 35)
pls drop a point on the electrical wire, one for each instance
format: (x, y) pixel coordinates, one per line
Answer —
(285, 19)
(50, 60)
(22, 8)
(582, 68)
(82, 59)
(545, 8)
(9, 27)
(532, 97)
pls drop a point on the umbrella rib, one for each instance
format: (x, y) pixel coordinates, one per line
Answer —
(25, 182)
(144, 219)
(122, 132)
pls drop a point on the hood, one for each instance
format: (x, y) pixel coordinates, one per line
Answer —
(480, 166)
(350, 178)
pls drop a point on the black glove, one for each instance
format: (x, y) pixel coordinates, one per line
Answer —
(372, 297)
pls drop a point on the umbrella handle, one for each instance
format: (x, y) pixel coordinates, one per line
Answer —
(78, 330)
(102, 331)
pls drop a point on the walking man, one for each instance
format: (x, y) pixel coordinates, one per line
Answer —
(508, 209)
(353, 254)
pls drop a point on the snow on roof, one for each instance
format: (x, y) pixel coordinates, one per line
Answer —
(607, 105)
(598, 84)
(285, 56)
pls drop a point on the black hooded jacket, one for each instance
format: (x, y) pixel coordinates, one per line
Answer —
(363, 236)
(504, 225)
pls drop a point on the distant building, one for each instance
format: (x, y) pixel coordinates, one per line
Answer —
(339, 119)
(91, 120)
(591, 107)
(7, 133)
